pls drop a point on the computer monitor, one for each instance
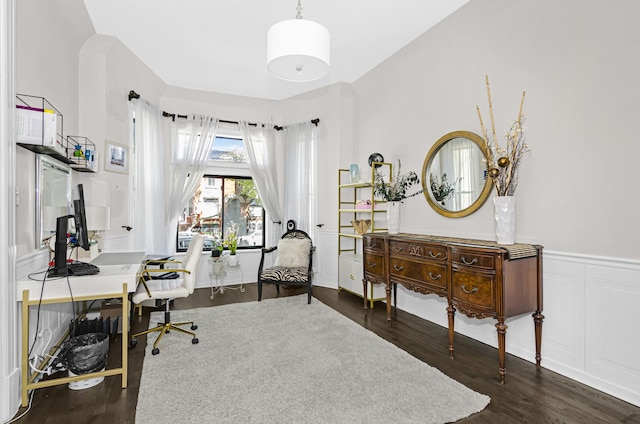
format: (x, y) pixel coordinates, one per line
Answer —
(60, 267)
(80, 217)
(60, 250)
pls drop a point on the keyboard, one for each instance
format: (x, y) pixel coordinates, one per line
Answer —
(82, 268)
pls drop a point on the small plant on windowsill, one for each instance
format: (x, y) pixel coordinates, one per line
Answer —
(396, 189)
(231, 240)
(216, 249)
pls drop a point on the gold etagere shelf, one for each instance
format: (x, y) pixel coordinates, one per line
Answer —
(358, 213)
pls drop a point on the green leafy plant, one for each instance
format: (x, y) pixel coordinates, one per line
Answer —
(231, 240)
(396, 189)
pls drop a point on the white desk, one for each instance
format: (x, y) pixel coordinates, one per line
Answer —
(119, 273)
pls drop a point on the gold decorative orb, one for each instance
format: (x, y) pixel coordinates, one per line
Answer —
(503, 161)
(494, 172)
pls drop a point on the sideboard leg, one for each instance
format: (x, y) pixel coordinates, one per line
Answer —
(364, 292)
(537, 319)
(502, 331)
(388, 290)
(451, 313)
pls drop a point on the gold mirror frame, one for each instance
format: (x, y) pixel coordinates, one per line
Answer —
(486, 190)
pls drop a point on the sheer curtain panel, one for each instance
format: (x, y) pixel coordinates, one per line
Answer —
(147, 177)
(260, 145)
(191, 143)
(300, 175)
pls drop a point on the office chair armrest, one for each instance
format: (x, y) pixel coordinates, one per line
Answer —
(146, 275)
(161, 262)
(269, 249)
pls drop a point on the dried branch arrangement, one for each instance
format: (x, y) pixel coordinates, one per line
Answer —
(503, 162)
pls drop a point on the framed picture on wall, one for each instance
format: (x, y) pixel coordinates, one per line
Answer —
(116, 158)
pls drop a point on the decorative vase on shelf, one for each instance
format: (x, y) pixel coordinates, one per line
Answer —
(354, 173)
(393, 217)
(505, 215)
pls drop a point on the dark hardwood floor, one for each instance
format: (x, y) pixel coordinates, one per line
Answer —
(529, 396)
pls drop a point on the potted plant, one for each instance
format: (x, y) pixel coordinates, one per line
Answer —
(394, 192)
(217, 246)
(231, 243)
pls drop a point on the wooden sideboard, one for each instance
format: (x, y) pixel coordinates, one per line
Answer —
(479, 278)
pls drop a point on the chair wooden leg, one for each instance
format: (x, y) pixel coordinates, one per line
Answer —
(259, 290)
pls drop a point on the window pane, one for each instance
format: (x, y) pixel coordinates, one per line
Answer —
(227, 149)
(223, 204)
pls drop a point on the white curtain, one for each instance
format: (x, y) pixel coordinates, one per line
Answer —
(300, 175)
(191, 142)
(260, 145)
(147, 178)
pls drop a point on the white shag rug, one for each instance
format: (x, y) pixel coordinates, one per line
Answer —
(284, 361)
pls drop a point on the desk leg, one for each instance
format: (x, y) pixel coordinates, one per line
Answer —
(25, 347)
(125, 334)
(502, 331)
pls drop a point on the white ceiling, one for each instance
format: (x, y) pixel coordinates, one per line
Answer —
(220, 45)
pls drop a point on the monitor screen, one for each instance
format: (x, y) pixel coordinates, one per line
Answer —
(80, 218)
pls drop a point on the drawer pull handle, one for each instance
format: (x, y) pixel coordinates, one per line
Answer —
(398, 268)
(434, 256)
(370, 244)
(473, 290)
(437, 277)
(352, 277)
(372, 265)
(398, 249)
(469, 262)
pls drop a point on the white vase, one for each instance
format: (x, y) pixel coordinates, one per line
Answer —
(232, 260)
(505, 215)
(393, 217)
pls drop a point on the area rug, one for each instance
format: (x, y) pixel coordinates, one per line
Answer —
(285, 361)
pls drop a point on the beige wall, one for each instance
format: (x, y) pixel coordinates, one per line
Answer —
(577, 62)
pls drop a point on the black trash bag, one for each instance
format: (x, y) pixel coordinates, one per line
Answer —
(85, 353)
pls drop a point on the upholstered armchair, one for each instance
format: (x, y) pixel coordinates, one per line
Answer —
(293, 263)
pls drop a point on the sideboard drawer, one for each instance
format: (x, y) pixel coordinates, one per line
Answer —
(473, 259)
(474, 289)
(373, 264)
(429, 273)
(373, 243)
(419, 250)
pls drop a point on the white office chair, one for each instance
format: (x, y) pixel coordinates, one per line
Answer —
(177, 279)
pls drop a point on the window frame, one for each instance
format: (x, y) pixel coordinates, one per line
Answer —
(225, 170)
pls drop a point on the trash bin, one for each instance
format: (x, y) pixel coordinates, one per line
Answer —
(85, 354)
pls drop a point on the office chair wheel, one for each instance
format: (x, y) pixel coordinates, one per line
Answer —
(194, 340)
(194, 327)
(155, 351)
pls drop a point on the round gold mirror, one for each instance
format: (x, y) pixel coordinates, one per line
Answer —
(454, 174)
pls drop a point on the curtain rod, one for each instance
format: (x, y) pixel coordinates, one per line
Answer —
(173, 116)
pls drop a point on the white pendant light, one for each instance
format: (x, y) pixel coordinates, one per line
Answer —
(298, 50)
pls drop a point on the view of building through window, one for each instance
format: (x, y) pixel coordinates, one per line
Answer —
(222, 204)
